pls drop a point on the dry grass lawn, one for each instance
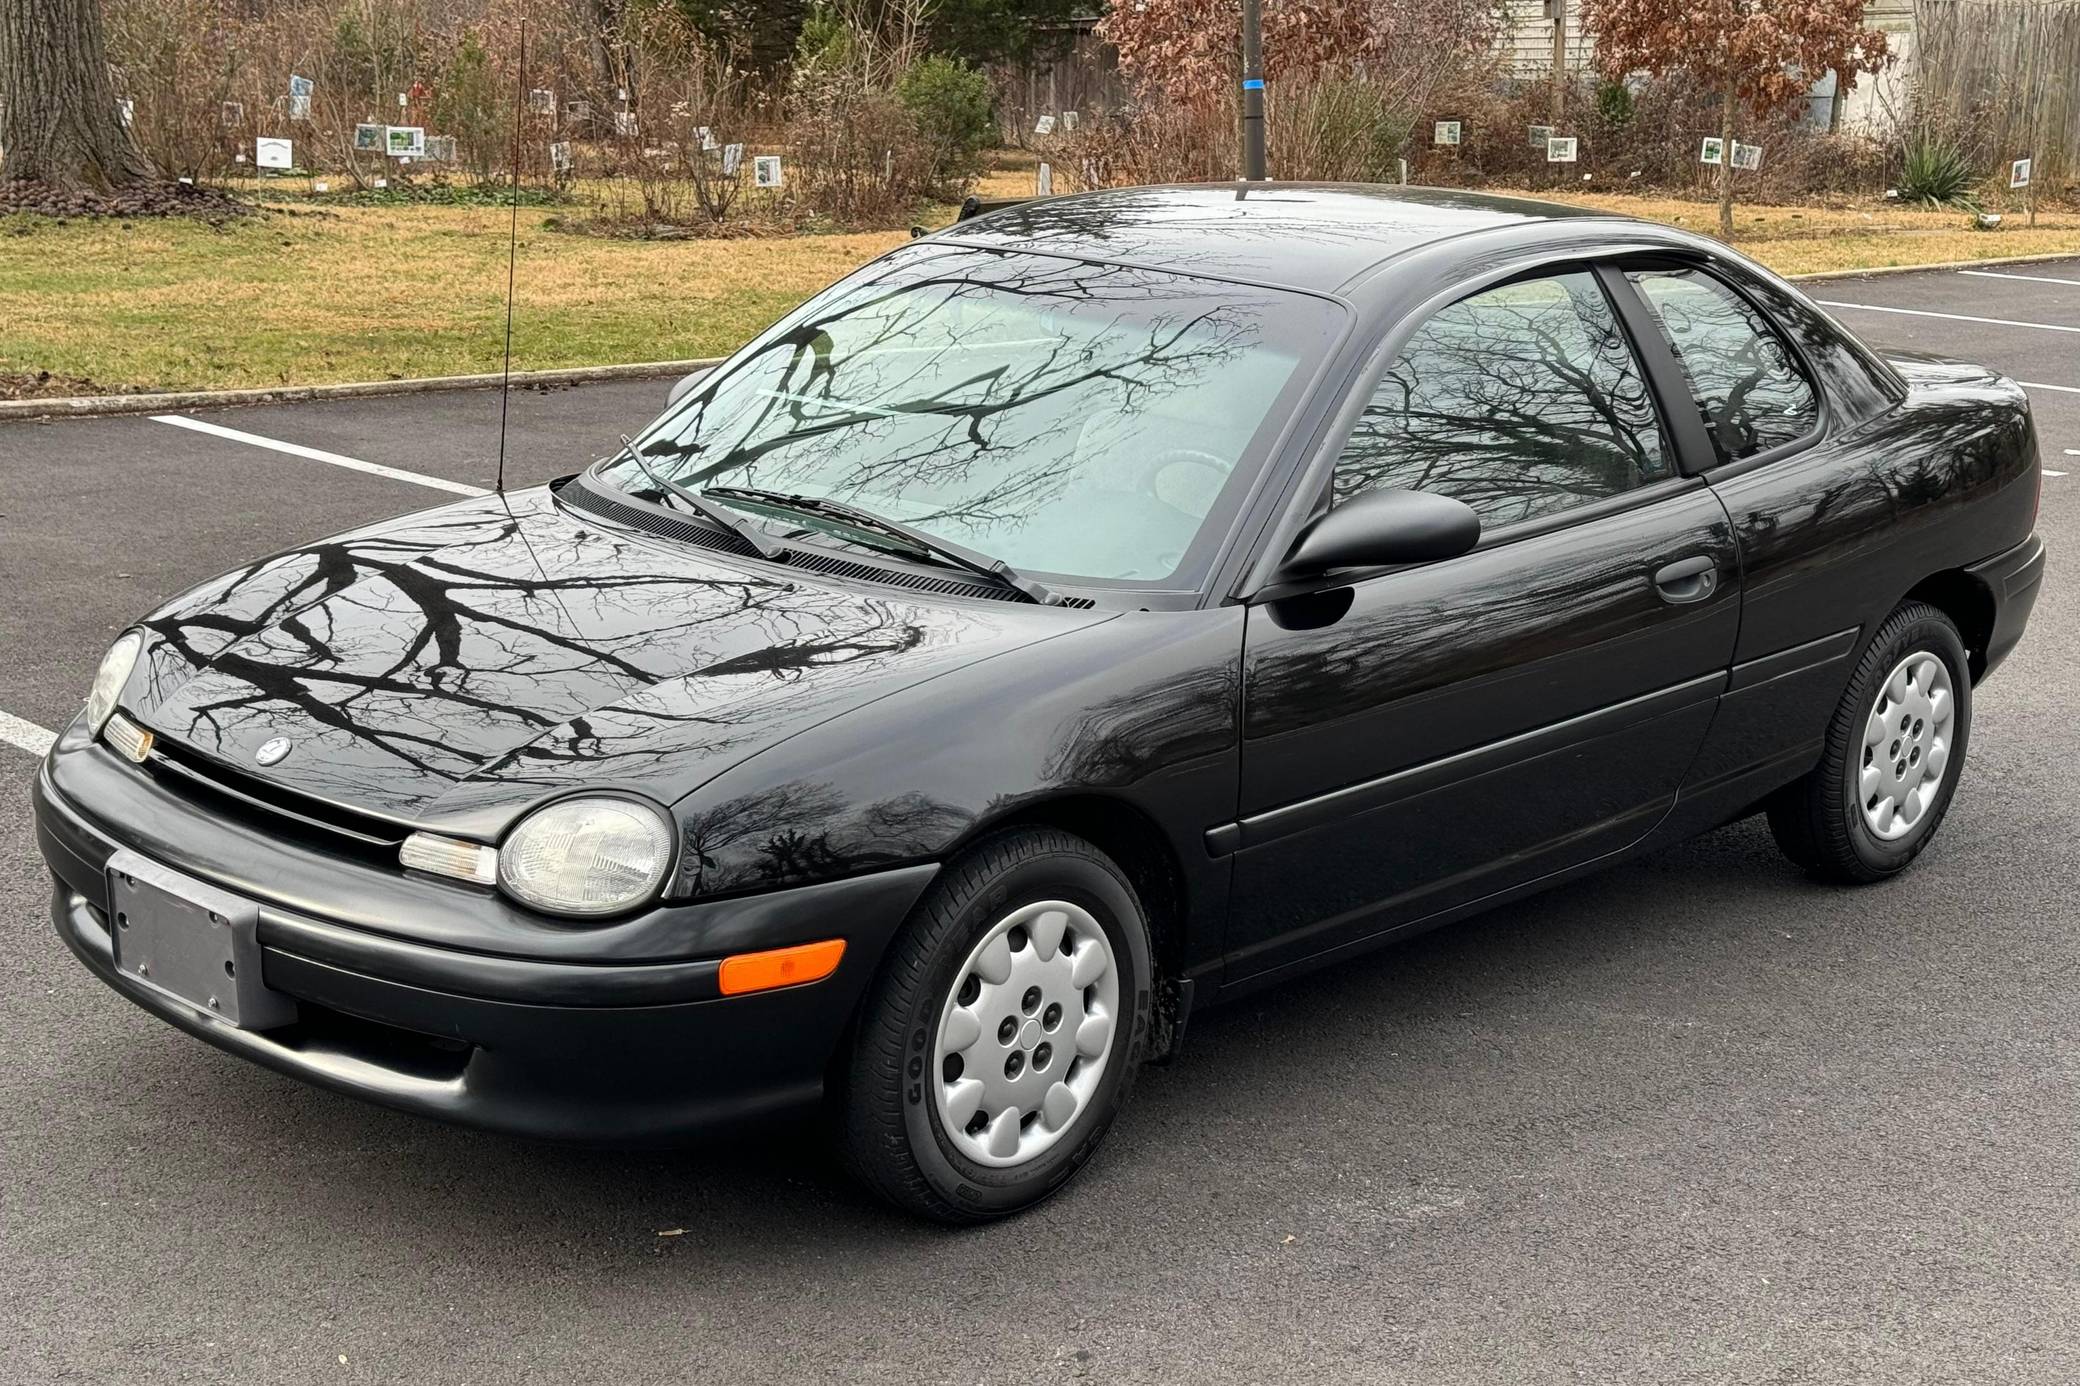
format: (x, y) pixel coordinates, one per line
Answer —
(306, 295)
(376, 293)
(1864, 235)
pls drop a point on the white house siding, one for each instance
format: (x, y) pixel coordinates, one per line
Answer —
(1877, 100)
(1527, 44)
(1527, 40)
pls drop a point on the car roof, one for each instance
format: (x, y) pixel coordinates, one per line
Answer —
(1317, 236)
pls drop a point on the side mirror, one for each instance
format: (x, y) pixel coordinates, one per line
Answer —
(1375, 529)
(686, 383)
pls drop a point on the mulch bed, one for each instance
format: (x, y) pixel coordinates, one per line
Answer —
(147, 200)
(44, 385)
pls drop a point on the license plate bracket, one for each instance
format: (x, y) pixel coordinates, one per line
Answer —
(191, 941)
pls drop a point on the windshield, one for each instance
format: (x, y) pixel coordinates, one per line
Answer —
(1091, 421)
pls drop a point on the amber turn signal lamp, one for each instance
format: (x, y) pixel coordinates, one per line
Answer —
(781, 967)
(127, 737)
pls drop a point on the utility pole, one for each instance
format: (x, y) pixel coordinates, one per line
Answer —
(1556, 10)
(1253, 91)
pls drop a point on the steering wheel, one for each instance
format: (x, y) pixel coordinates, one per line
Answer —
(1184, 498)
(1151, 479)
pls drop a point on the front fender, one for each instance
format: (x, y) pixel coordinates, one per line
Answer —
(1145, 710)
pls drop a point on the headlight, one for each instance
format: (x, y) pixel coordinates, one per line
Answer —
(110, 678)
(587, 856)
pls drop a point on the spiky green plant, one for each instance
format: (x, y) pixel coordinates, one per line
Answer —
(1936, 171)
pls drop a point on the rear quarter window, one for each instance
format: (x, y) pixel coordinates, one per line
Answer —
(1747, 383)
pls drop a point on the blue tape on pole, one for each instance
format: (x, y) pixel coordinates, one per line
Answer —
(1253, 84)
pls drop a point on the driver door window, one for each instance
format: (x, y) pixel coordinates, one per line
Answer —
(1520, 401)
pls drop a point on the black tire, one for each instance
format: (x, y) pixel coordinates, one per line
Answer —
(892, 1136)
(1817, 820)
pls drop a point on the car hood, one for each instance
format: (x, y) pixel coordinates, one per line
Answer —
(451, 668)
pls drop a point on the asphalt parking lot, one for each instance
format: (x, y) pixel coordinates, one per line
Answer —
(1695, 1120)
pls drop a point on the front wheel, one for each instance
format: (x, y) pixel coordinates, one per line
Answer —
(1894, 750)
(1003, 1031)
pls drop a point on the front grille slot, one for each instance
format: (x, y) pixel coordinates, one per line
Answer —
(271, 806)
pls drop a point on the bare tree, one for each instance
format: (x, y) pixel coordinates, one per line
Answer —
(59, 119)
(1761, 56)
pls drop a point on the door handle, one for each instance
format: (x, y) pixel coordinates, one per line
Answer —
(1688, 579)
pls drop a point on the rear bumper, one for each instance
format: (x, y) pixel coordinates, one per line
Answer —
(620, 1052)
(2012, 579)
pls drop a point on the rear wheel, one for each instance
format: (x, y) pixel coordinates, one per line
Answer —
(1894, 750)
(1003, 1032)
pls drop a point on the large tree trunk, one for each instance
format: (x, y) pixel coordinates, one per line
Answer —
(59, 122)
(603, 23)
(1729, 99)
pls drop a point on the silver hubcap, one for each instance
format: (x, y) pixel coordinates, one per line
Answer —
(1906, 745)
(1026, 1034)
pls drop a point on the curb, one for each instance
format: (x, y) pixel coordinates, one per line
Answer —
(92, 406)
(1876, 270)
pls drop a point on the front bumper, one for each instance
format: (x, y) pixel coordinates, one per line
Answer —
(621, 1052)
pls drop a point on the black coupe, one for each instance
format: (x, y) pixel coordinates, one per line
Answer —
(1096, 610)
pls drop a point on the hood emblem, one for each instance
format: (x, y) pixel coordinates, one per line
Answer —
(275, 751)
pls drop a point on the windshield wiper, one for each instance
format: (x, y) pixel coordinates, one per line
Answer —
(766, 544)
(958, 555)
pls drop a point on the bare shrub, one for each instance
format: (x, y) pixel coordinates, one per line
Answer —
(1341, 128)
(853, 149)
(1353, 79)
(1155, 144)
(1329, 129)
(208, 76)
(359, 56)
(1649, 142)
(471, 105)
(859, 156)
(680, 125)
(657, 116)
(177, 64)
(1175, 48)
(1337, 123)
(713, 121)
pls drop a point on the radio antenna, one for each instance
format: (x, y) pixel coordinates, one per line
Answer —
(505, 384)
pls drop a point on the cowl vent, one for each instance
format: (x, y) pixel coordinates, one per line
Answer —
(582, 497)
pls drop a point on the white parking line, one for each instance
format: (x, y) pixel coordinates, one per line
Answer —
(2033, 278)
(27, 735)
(2062, 389)
(318, 455)
(1952, 317)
